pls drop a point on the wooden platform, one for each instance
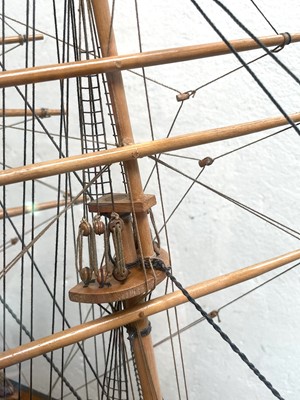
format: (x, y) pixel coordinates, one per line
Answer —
(121, 203)
(133, 286)
(118, 291)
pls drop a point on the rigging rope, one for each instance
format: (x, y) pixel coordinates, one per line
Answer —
(156, 169)
(233, 150)
(271, 221)
(160, 265)
(241, 60)
(60, 310)
(26, 331)
(264, 16)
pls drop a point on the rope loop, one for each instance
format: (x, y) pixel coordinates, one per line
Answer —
(106, 269)
(156, 241)
(133, 333)
(287, 39)
(22, 39)
(85, 273)
(45, 113)
(116, 225)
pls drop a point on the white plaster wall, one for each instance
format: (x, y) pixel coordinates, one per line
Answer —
(209, 236)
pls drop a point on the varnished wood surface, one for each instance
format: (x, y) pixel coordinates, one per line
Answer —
(104, 25)
(20, 39)
(122, 318)
(121, 203)
(132, 61)
(138, 150)
(15, 211)
(20, 112)
(118, 291)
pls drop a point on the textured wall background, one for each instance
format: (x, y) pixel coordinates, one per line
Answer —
(209, 236)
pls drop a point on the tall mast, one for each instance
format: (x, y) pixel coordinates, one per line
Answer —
(141, 344)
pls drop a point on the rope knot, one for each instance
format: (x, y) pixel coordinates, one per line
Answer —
(185, 95)
(206, 161)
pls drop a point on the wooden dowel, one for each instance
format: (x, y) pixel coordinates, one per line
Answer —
(20, 39)
(137, 150)
(15, 211)
(20, 112)
(122, 318)
(131, 61)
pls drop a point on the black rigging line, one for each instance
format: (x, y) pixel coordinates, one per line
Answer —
(50, 293)
(276, 224)
(150, 121)
(229, 303)
(13, 126)
(229, 73)
(264, 16)
(33, 150)
(46, 132)
(90, 117)
(24, 98)
(217, 328)
(58, 227)
(242, 26)
(202, 319)
(26, 249)
(147, 78)
(257, 287)
(4, 223)
(36, 30)
(29, 335)
(181, 156)
(254, 142)
(181, 200)
(233, 150)
(24, 187)
(10, 26)
(241, 60)
(11, 49)
(169, 133)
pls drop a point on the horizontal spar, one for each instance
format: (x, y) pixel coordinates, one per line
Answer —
(131, 61)
(21, 39)
(34, 207)
(122, 318)
(21, 112)
(138, 150)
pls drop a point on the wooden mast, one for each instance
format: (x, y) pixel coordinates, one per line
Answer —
(141, 344)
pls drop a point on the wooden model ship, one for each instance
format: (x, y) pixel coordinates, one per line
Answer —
(88, 235)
